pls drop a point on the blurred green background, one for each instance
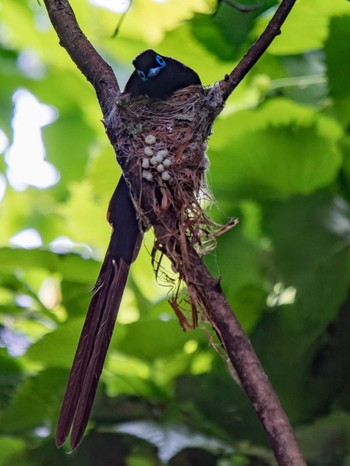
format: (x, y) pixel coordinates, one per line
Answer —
(279, 160)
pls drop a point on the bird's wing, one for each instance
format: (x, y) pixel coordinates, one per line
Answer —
(135, 86)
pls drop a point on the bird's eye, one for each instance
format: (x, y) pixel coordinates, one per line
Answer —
(160, 61)
(142, 75)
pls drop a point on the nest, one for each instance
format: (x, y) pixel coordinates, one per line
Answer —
(161, 147)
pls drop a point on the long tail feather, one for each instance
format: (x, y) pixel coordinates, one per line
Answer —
(100, 320)
(117, 277)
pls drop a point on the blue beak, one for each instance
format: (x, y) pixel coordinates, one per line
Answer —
(154, 71)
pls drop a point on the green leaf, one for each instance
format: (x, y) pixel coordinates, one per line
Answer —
(337, 49)
(306, 27)
(238, 261)
(209, 67)
(10, 448)
(217, 34)
(86, 220)
(214, 401)
(10, 377)
(35, 403)
(305, 233)
(71, 266)
(70, 153)
(56, 349)
(154, 338)
(280, 150)
(326, 441)
(103, 173)
(301, 326)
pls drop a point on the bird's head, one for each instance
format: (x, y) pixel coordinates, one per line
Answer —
(148, 64)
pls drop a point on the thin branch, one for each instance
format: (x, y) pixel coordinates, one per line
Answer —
(237, 345)
(240, 6)
(120, 22)
(273, 29)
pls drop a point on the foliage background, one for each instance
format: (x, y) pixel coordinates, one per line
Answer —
(280, 161)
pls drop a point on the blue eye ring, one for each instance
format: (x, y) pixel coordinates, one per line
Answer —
(142, 75)
(160, 60)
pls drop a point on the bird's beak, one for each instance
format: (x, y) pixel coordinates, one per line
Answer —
(153, 71)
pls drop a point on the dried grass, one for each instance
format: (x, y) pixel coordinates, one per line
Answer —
(180, 126)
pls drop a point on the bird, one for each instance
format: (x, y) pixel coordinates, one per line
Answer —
(156, 77)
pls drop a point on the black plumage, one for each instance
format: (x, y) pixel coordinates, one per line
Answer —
(101, 316)
(157, 77)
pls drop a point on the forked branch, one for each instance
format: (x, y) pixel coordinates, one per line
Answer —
(101, 75)
(207, 288)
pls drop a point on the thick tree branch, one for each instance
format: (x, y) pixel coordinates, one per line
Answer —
(245, 361)
(101, 75)
(219, 314)
(83, 54)
(237, 345)
(249, 370)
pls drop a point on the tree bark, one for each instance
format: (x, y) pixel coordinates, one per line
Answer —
(239, 349)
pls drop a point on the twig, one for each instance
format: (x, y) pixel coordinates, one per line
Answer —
(273, 29)
(237, 345)
(240, 6)
(120, 22)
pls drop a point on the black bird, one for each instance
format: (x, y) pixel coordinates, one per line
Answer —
(157, 77)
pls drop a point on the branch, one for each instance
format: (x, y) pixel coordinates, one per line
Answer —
(240, 6)
(84, 55)
(273, 29)
(246, 363)
(101, 75)
(237, 345)
(208, 293)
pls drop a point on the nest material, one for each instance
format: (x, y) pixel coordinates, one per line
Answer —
(161, 147)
